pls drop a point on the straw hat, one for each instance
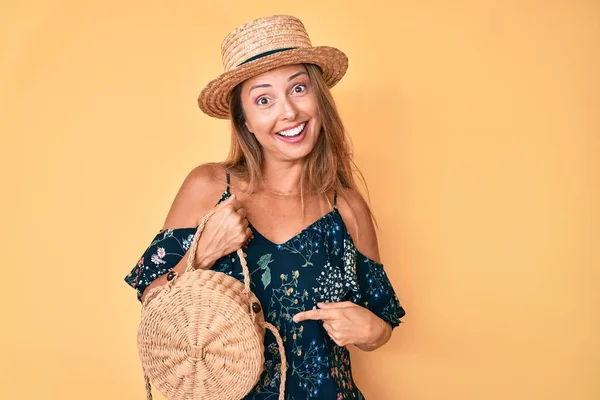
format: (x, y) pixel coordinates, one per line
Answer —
(261, 45)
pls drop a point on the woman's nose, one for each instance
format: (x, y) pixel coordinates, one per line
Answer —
(289, 110)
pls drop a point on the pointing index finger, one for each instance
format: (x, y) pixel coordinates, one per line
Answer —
(313, 315)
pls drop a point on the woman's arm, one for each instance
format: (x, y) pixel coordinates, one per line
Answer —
(357, 217)
(197, 195)
(380, 337)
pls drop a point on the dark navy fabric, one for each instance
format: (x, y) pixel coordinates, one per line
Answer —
(320, 264)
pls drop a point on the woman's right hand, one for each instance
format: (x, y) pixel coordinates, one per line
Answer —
(225, 232)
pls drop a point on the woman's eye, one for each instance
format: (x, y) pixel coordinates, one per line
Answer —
(262, 101)
(299, 88)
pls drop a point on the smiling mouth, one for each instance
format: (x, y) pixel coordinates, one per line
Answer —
(293, 132)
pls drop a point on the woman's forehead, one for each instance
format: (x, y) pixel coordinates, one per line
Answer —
(276, 74)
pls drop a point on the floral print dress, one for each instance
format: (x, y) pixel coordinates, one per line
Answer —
(320, 264)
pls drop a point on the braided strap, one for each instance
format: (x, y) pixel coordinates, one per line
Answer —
(148, 387)
(194, 246)
(240, 253)
(275, 332)
(152, 293)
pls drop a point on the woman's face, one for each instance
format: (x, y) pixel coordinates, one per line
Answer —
(281, 111)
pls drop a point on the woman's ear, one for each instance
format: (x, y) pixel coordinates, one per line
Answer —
(248, 127)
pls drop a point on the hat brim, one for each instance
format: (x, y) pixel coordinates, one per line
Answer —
(214, 98)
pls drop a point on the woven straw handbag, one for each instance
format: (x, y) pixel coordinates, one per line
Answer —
(201, 335)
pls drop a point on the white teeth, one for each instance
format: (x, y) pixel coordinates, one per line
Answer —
(293, 132)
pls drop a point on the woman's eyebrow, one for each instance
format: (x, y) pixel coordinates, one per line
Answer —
(266, 85)
(296, 75)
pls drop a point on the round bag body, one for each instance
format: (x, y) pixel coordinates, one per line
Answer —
(201, 335)
(198, 339)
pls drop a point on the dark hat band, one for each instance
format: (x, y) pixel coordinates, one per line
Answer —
(266, 53)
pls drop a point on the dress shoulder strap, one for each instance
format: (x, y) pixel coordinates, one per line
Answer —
(228, 181)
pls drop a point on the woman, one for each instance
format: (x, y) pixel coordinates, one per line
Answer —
(287, 194)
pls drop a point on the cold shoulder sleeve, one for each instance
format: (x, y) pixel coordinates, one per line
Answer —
(164, 252)
(370, 286)
(376, 291)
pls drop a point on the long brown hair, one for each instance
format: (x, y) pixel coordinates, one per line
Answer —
(329, 166)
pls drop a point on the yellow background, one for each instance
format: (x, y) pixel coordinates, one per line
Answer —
(476, 124)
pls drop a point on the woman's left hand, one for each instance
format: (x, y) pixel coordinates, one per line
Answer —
(348, 323)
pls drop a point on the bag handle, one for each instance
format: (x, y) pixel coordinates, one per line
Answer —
(240, 253)
(246, 291)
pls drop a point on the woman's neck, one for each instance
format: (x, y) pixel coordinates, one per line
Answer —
(282, 178)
